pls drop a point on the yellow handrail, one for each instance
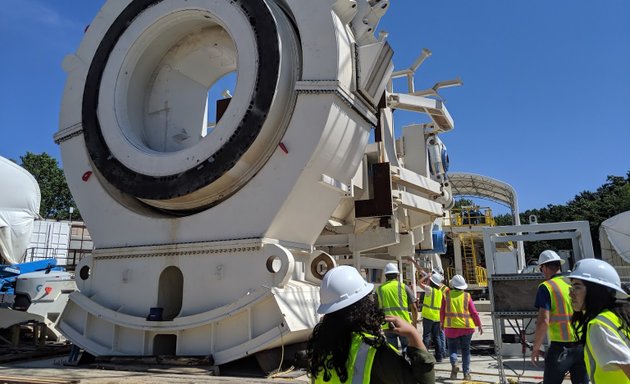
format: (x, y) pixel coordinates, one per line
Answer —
(482, 277)
(470, 216)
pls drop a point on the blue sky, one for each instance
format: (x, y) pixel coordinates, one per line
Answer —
(545, 104)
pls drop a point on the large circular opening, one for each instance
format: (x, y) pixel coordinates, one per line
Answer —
(165, 66)
(171, 112)
(185, 101)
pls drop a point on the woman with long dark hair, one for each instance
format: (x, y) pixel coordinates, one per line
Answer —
(348, 345)
(601, 321)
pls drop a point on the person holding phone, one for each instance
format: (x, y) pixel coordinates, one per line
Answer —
(348, 346)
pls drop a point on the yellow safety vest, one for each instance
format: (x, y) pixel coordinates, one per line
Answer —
(359, 363)
(431, 305)
(392, 298)
(456, 313)
(560, 312)
(596, 374)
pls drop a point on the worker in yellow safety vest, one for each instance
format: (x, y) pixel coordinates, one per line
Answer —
(565, 352)
(431, 305)
(459, 317)
(444, 288)
(396, 299)
(601, 321)
(347, 345)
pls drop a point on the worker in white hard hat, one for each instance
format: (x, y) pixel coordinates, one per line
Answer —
(459, 317)
(431, 305)
(396, 299)
(601, 319)
(443, 288)
(347, 345)
(565, 352)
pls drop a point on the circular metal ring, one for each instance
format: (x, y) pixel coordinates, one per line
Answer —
(164, 187)
(326, 259)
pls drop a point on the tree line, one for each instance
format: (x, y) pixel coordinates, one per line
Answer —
(56, 199)
(610, 199)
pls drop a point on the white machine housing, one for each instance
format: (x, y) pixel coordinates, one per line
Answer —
(205, 237)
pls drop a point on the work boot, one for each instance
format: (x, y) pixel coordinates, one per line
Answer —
(454, 370)
(467, 376)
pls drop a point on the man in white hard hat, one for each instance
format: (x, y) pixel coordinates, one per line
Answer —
(396, 299)
(444, 288)
(347, 345)
(431, 305)
(565, 353)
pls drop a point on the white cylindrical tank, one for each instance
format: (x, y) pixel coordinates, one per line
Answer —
(19, 206)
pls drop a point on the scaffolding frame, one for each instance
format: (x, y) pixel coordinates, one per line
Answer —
(579, 234)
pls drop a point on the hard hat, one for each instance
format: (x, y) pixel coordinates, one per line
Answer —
(391, 268)
(342, 286)
(458, 282)
(436, 278)
(548, 257)
(598, 272)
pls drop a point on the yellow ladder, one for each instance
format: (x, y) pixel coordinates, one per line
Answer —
(470, 259)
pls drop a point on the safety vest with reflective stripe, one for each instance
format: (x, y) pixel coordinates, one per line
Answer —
(596, 373)
(456, 314)
(431, 305)
(560, 312)
(392, 298)
(359, 363)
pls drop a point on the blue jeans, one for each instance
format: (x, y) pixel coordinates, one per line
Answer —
(431, 331)
(442, 338)
(561, 358)
(463, 343)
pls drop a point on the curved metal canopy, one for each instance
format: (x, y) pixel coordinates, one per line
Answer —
(473, 185)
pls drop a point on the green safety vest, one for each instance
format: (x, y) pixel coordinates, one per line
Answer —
(596, 374)
(359, 363)
(431, 305)
(392, 298)
(456, 313)
(560, 313)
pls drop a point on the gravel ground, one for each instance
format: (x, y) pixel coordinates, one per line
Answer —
(51, 370)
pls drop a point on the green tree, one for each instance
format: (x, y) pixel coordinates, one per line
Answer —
(56, 199)
(463, 202)
(503, 219)
(612, 198)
